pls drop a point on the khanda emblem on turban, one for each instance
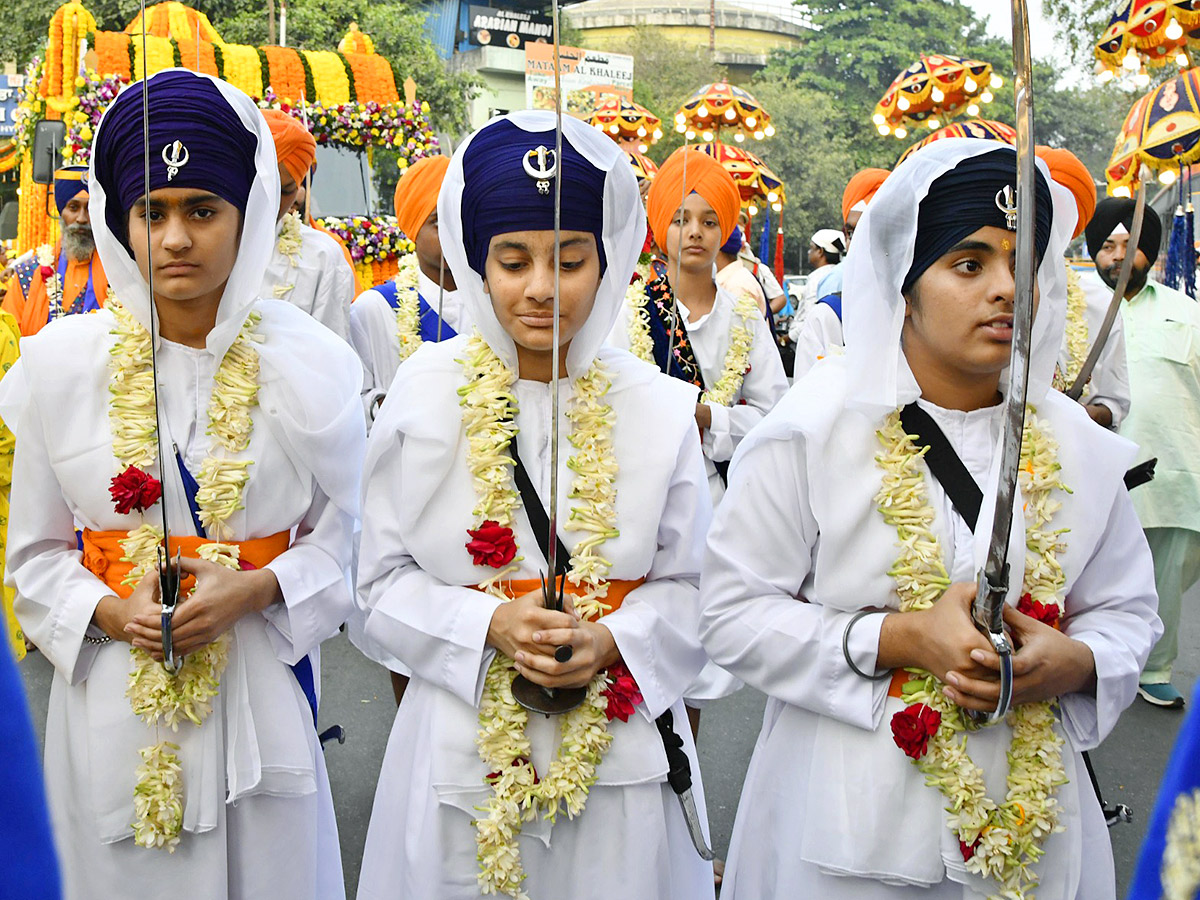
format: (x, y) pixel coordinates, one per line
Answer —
(544, 169)
(1006, 202)
(176, 156)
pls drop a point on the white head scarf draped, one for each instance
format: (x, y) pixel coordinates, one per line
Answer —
(254, 248)
(624, 234)
(880, 256)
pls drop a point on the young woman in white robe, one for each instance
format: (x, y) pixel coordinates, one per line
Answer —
(420, 585)
(257, 816)
(832, 807)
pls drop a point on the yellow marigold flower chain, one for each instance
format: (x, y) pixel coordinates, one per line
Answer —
(1007, 838)
(489, 413)
(156, 695)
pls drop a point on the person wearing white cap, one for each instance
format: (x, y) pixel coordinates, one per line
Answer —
(824, 252)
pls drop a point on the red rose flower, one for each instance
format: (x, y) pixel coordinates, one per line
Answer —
(1043, 612)
(491, 544)
(47, 272)
(493, 777)
(134, 489)
(623, 693)
(968, 850)
(912, 728)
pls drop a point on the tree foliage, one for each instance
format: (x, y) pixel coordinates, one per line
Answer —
(395, 26)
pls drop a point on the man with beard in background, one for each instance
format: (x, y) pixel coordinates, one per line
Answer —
(1162, 345)
(67, 278)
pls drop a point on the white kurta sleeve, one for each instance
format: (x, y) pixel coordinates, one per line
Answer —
(753, 620)
(313, 578)
(361, 340)
(335, 293)
(1110, 378)
(1112, 608)
(437, 630)
(819, 334)
(656, 628)
(56, 595)
(761, 389)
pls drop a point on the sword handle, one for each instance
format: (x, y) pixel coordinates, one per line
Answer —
(987, 612)
(168, 583)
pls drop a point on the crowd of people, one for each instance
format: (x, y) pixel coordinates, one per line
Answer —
(387, 465)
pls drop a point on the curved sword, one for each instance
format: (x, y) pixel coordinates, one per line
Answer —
(987, 610)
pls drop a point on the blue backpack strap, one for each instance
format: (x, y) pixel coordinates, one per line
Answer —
(390, 293)
(429, 323)
(834, 302)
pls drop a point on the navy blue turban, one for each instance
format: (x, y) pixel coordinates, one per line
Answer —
(734, 245)
(967, 198)
(197, 141)
(500, 195)
(69, 181)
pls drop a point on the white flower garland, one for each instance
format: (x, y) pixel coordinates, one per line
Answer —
(155, 694)
(489, 414)
(408, 306)
(737, 357)
(289, 243)
(1077, 333)
(1006, 838)
(53, 284)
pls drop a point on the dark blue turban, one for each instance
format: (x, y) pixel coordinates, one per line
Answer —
(68, 182)
(734, 244)
(967, 198)
(499, 195)
(197, 141)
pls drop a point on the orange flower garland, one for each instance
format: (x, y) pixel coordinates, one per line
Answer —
(373, 79)
(356, 41)
(112, 48)
(286, 74)
(329, 77)
(70, 23)
(198, 57)
(174, 19)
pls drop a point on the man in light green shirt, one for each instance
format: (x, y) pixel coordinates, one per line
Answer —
(1162, 344)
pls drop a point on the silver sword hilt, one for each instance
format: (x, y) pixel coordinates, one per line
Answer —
(987, 612)
(168, 582)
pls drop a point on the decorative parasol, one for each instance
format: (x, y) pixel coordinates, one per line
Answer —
(933, 89)
(1145, 33)
(723, 106)
(1162, 131)
(985, 129)
(643, 166)
(754, 179)
(629, 124)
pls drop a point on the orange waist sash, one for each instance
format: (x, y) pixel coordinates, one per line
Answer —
(617, 590)
(102, 553)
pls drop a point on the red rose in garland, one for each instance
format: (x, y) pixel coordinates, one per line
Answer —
(134, 489)
(47, 272)
(623, 693)
(912, 728)
(968, 850)
(491, 544)
(1047, 613)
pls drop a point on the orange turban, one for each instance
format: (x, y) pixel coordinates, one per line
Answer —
(294, 146)
(706, 177)
(861, 188)
(1067, 170)
(417, 193)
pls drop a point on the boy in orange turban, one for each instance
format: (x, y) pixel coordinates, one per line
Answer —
(722, 343)
(309, 269)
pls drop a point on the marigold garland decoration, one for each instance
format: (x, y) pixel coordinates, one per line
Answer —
(518, 794)
(160, 697)
(1000, 841)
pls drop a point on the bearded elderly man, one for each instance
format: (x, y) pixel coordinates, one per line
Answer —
(66, 278)
(1162, 345)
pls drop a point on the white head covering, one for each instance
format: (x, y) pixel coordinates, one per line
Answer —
(880, 256)
(254, 249)
(624, 235)
(830, 240)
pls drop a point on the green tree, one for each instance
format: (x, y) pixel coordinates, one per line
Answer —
(1081, 22)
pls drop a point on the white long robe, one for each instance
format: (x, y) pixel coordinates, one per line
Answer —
(258, 816)
(316, 279)
(820, 336)
(415, 579)
(1109, 384)
(831, 808)
(373, 335)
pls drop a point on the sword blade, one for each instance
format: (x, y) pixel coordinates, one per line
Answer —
(441, 294)
(1075, 391)
(691, 815)
(551, 543)
(987, 610)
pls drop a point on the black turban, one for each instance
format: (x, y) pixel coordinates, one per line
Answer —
(1114, 211)
(967, 198)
